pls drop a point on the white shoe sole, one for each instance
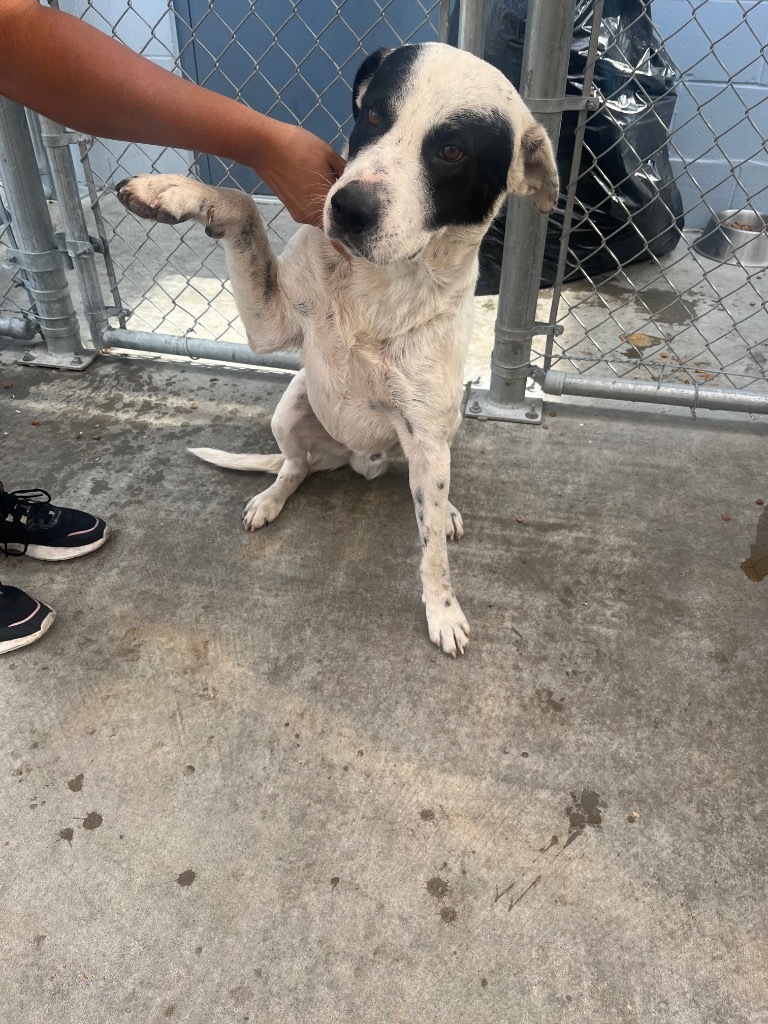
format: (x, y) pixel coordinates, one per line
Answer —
(51, 554)
(22, 641)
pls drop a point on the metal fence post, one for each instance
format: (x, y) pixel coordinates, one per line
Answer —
(43, 167)
(472, 26)
(37, 255)
(57, 140)
(549, 27)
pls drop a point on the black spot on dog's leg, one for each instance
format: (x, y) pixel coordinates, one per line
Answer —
(441, 485)
(418, 496)
(408, 425)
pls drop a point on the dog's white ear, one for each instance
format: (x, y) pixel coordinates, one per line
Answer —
(365, 73)
(534, 170)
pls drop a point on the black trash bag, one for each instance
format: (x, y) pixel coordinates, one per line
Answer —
(628, 206)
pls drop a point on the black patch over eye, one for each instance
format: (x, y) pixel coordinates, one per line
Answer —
(467, 161)
(381, 100)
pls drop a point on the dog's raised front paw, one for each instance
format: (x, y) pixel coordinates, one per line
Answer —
(167, 198)
(448, 628)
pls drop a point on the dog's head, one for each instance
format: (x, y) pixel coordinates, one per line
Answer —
(440, 139)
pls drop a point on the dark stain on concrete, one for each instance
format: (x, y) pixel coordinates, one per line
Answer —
(39, 940)
(547, 698)
(448, 915)
(335, 881)
(189, 769)
(525, 891)
(169, 1010)
(186, 878)
(552, 842)
(438, 888)
(99, 487)
(67, 835)
(755, 567)
(129, 646)
(76, 784)
(585, 812)
(427, 814)
(666, 306)
(662, 305)
(241, 994)
(92, 821)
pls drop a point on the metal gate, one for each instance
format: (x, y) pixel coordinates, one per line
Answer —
(686, 328)
(682, 328)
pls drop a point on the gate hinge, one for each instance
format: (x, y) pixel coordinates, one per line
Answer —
(38, 262)
(65, 138)
(524, 333)
(559, 104)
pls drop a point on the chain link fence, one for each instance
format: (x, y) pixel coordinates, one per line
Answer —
(293, 61)
(693, 317)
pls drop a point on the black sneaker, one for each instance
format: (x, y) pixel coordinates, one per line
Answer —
(22, 619)
(31, 525)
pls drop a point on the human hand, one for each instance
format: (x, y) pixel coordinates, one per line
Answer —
(299, 168)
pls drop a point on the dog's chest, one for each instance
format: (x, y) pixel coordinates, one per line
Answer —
(355, 387)
(382, 353)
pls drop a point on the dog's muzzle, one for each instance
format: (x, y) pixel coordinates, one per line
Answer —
(355, 212)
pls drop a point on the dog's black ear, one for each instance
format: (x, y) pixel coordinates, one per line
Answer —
(364, 74)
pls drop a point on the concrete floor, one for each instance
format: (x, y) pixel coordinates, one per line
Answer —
(241, 785)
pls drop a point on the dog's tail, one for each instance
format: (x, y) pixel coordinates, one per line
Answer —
(231, 460)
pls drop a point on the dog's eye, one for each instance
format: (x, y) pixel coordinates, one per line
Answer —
(451, 154)
(373, 117)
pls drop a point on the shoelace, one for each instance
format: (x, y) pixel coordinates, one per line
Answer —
(24, 508)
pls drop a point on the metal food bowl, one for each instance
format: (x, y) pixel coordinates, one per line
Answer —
(735, 236)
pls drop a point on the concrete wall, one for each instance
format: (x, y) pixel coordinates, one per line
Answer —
(719, 129)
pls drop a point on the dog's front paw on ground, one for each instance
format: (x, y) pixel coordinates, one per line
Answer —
(448, 627)
(454, 524)
(260, 511)
(166, 198)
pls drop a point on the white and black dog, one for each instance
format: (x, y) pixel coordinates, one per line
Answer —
(440, 138)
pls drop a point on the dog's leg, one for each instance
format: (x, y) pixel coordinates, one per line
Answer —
(454, 524)
(270, 320)
(429, 469)
(307, 447)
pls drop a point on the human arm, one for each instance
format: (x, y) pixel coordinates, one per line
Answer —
(69, 71)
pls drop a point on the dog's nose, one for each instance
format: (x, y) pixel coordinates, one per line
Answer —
(356, 208)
